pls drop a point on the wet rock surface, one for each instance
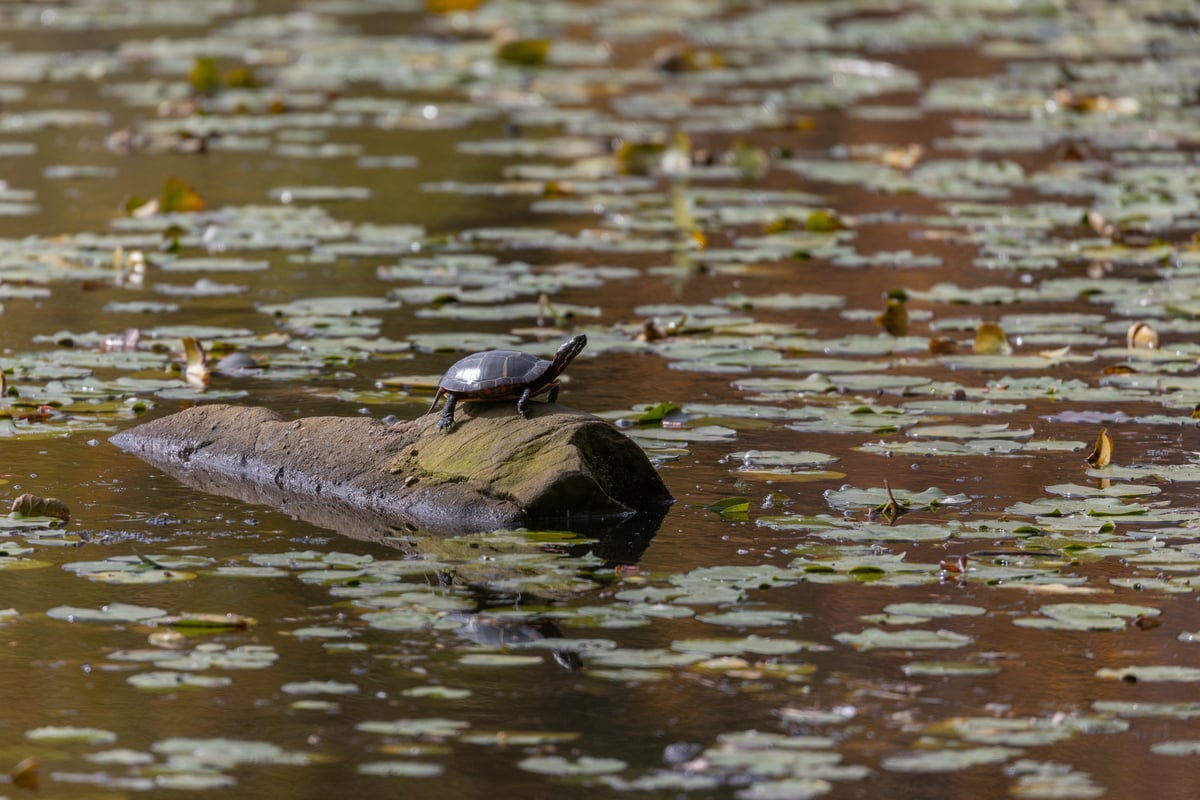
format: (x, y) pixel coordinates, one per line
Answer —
(357, 475)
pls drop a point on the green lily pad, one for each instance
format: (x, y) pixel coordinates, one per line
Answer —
(170, 680)
(1086, 616)
(948, 669)
(584, 765)
(319, 687)
(401, 769)
(66, 733)
(431, 727)
(935, 610)
(1151, 674)
(948, 760)
(112, 613)
(917, 639)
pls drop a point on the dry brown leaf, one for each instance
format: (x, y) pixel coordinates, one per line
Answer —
(894, 318)
(942, 346)
(1141, 336)
(1102, 453)
(1055, 354)
(25, 774)
(30, 505)
(1062, 588)
(991, 341)
(197, 372)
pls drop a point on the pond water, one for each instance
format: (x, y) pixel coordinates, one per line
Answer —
(889, 570)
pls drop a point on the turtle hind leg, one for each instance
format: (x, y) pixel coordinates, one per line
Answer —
(447, 417)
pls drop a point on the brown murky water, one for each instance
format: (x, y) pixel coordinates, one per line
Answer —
(320, 708)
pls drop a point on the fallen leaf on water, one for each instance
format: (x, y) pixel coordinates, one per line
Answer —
(894, 318)
(1096, 221)
(25, 774)
(639, 158)
(178, 196)
(990, 340)
(956, 566)
(451, 6)
(752, 162)
(1055, 354)
(942, 346)
(653, 415)
(823, 222)
(903, 158)
(1141, 336)
(675, 58)
(241, 78)
(204, 77)
(733, 507)
(650, 332)
(1102, 453)
(30, 505)
(197, 372)
(524, 52)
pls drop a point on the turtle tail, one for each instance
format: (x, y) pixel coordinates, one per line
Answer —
(436, 397)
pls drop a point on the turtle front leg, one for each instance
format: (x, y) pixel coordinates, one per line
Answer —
(523, 403)
(552, 395)
(447, 417)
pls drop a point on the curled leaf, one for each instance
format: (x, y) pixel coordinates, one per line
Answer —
(990, 340)
(942, 346)
(639, 158)
(241, 78)
(894, 318)
(197, 372)
(524, 52)
(1055, 354)
(204, 76)
(733, 507)
(653, 415)
(178, 197)
(1101, 454)
(25, 774)
(1141, 336)
(30, 505)
(902, 158)
(823, 222)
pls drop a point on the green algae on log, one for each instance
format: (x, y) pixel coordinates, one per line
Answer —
(493, 471)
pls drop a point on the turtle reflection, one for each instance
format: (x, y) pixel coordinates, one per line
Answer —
(492, 631)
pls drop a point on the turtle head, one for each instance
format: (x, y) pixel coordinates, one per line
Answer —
(567, 351)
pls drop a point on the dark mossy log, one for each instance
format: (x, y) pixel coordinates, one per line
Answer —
(494, 470)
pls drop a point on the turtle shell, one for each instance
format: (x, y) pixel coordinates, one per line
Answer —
(495, 375)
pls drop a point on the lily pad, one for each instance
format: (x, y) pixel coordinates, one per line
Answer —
(582, 766)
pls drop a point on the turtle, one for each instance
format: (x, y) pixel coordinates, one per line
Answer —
(503, 375)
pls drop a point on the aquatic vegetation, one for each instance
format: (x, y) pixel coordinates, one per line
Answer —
(902, 302)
